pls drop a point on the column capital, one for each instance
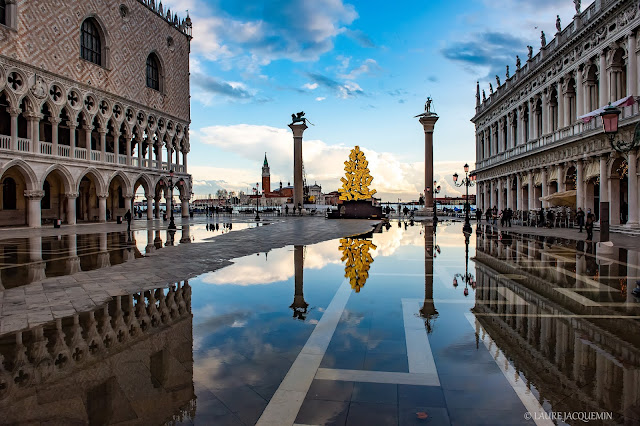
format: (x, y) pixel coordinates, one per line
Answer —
(149, 197)
(14, 112)
(128, 195)
(104, 195)
(55, 120)
(429, 122)
(72, 195)
(298, 129)
(185, 198)
(72, 124)
(34, 194)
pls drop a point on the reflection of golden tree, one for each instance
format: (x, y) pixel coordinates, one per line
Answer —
(355, 184)
(358, 260)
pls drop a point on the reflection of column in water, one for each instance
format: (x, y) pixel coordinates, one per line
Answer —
(73, 262)
(632, 275)
(158, 241)
(36, 268)
(299, 305)
(170, 237)
(150, 247)
(186, 238)
(428, 310)
(103, 257)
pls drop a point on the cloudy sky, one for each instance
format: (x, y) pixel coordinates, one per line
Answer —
(361, 70)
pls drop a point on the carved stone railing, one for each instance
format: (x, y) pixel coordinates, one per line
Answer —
(47, 352)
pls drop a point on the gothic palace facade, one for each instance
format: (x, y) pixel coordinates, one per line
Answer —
(529, 142)
(94, 104)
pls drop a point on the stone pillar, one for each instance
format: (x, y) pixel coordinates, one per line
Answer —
(501, 142)
(579, 185)
(87, 139)
(298, 130)
(509, 194)
(102, 207)
(34, 125)
(546, 128)
(128, 137)
(14, 113)
(519, 193)
(150, 148)
(561, 179)
(632, 66)
(116, 145)
(169, 202)
(632, 190)
(34, 213)
(184, 160)
(140, 142)
(603, 81)
(71, 208)
(500, 195)
(157, 208)
(579, 94)
(531, 191)
(533, 128)
(149, 207)
(604, 181)
(159, 155)
(567, 110)
(55, 122)
(561, 101)
(428, 123)
(128, 198)
(72, 138)
(103, 143)
(185, 206)
(545, 187)
(492, 191)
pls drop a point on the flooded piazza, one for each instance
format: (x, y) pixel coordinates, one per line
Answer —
(405, 324)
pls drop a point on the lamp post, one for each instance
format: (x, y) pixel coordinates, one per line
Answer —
(172, 224)
(610, 118)
(436, 190)
(469, 180)
(257, 189)
(467, 278)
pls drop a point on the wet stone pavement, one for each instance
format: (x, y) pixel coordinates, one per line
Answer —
(313, 322)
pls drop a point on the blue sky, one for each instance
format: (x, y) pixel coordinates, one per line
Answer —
(361, 71)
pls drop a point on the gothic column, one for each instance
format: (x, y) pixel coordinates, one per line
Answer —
(102, 207)
(72, 138)
(55, 122)
(579, 185)
(150, 146)
(159, 155)
(71, 208)
(140, 142)
(185, 205)
(103, 143)
(87, 139)
(531, 191)
(157, 207)
(500, 195)
(34, 213)
(519, 191)
(545, 187)
(579, 93)
(603, 95)
(14, 113)
(128, 137)
(632, 189)
(116, 146)
(184, 160)
(34, 125)
(149, 206)
(561, 179)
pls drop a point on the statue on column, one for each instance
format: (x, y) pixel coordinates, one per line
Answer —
(558, 24)
(530, 50)
(507, 71)
(427, 105)
(576, 3)
(543, 39)
(517, 62)
(497, 80)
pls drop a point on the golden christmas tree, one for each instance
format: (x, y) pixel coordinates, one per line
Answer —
(356, 252)
(355, 184)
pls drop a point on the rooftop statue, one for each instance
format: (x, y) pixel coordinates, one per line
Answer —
(484, 96)
(530, 54)
(577, 5)
(543, 39)
(517, 62)
(490, 89)
(507, 71)
(298, 118)
(558, 24)
(497, 80)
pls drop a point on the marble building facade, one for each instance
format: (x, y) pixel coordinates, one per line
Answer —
(529, 141)
(94, 104)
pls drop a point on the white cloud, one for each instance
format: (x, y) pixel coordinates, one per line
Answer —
(311, 86)
(324, 163)
(320, 98)
(367, 67)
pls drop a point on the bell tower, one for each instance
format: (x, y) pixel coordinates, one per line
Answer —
(266, 176)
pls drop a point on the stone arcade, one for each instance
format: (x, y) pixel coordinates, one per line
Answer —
(91, 95)
(529, 142)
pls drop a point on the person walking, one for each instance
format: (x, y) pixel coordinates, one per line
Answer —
(127, 217)
(589, 225)
(488, 216)
(479, 215)
(286, 209)
(495, 215)
(580, 219)
(508, 217)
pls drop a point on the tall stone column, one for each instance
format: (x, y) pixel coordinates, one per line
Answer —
(103, 143)
(34, 213)
(428, 310)
(72, 138)
(116, 146)
(185, 205)
(603, 82)
(632, 66)
(102, 207)
(428, 123)
(149, 206)
(55, 122)
(298, 194)
(519, 191)
(604, 180)
(546, 128)
(533, 127)
(531, 190)
(299, 305)
(579, 94)
(71, 208)
(633, 189)
(561, 99)
(545, 187)
(509, 194)
(14, 113)
(159, 155)
(500, 195)
(128, 137)
(34, 125)
(492, 191)
(561, 179)
(579, 185)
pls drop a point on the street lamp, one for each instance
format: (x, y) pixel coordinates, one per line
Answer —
(610, 118)
(469, 180)
(467, 278)
(257, 188)
(436, 190)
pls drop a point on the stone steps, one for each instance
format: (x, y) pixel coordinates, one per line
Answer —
(620, 229)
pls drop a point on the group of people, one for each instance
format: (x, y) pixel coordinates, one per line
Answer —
(584, 220)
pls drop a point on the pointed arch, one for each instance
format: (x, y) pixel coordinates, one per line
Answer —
(67, 179)
(95, 174)
(128, 187)
(31, 180)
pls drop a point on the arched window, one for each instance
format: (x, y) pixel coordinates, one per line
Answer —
(90, 42)
(3, 12)
(153, 72)
(9, 196)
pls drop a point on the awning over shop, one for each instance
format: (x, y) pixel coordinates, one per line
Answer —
(627, 101)
(591, 170)
(564, 198)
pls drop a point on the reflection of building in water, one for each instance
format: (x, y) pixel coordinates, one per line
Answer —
(27, 260)
(299, 305)
(129, 361)
(428, 310)
(559, 336)
(358, 260)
